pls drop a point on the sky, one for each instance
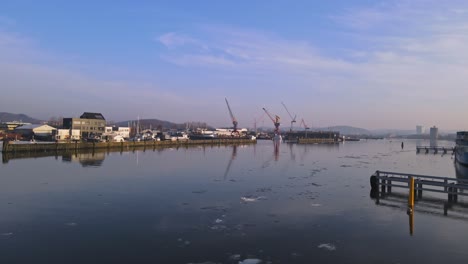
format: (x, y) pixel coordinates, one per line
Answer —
(370, 64)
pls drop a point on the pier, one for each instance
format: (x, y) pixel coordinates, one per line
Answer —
(382, 182)
(435, 150)
(74, 146)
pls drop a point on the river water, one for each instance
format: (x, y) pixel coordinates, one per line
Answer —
(227, 204)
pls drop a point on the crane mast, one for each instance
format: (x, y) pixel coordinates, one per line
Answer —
(275, 121)
(305, 126)
(293, 119)
(233, 118)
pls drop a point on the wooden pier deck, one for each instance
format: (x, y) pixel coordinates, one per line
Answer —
(435, 150)
(383, 181)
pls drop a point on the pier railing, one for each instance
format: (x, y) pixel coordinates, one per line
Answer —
(435, 150)
(383, 181)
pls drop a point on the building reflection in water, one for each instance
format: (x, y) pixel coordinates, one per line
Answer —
(91, 159)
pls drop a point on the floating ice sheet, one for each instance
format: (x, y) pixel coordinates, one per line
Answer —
(327, 246)
(249, 199)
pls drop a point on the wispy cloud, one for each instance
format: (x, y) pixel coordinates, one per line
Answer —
(410, 54)
(37, 83)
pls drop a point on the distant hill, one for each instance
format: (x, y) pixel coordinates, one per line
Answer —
(400, 132)
(346, 130)
(9, 117)
(160, 124)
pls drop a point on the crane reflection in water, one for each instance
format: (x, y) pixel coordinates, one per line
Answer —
(233, 157)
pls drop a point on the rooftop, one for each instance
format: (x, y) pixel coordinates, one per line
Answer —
(88, 115)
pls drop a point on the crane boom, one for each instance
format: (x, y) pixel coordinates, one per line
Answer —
(292, 118)
(233, 118)
(304, 124)
(275, 121)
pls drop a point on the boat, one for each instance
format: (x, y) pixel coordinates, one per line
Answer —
(201, 136)
(176, 136)
(461, 148)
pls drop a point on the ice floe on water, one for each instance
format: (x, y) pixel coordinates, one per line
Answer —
(315, 204)
(183, 243)
(7, 234)
(250, 199)
(327, 246)
(250, 261)
(71, 224)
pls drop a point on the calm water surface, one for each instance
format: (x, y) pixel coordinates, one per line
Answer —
(299, 204)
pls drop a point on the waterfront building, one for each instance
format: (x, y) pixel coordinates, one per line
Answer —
(433, 136)
(36, 131)
(227, 132)
(89, 124)
(419, 130)
(117, 131)
(434, 133)
(67, 134)
(10, 126)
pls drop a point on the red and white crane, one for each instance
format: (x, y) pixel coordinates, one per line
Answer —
(275, 121)
(233, 118)
(293, 119)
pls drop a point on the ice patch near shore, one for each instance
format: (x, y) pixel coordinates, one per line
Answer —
(327, 246)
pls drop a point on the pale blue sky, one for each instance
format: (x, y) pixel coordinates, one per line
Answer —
(372, 64)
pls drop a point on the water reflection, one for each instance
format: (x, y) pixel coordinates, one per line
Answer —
(276, 147)
(93, 159)
(233, 156)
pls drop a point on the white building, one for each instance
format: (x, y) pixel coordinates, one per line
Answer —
(434, 133)
(419, 130)
(39, 131)
(68, 134)
(114, 131)
(223, 132)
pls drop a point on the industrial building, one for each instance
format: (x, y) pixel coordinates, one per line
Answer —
(89, 124)
(419, 130)
(43, 132)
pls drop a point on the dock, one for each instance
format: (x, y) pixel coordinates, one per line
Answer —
(74, 146)
(382, 182)
(435, 150)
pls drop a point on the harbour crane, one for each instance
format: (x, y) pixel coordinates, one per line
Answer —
(256, 120)
(293, 119)
(233, 118)
(275, 121)
(305, 126)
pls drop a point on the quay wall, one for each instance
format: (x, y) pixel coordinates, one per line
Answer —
(49, 147)
(316, 140)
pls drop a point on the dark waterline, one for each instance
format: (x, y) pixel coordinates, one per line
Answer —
(301, 204)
